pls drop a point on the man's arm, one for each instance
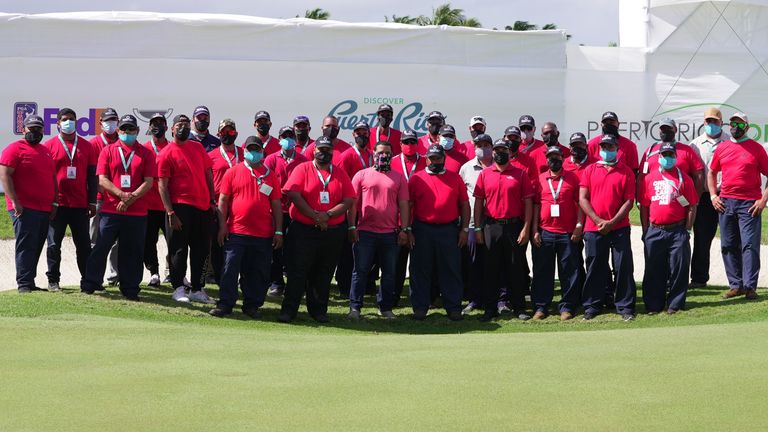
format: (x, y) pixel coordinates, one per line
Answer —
(645, 213)
(690, 218)
(6, 177)
(698, 182)
(586, 206)
(717, 203)
(277, 217)
(209, 181)
(223, 214)
(526, 231)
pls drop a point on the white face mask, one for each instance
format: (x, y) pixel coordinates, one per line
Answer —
(109, 127)
(68, 127)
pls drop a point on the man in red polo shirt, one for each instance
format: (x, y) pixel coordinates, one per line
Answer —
(282, 164)
(301, 128)
(249, 202)
(580, 158)
(455, 157)
(435, 121)
(384, 131)
(668, 199)
(557, 229)
(330, 129)
(320, 197)
(263, 123)
(606, 195)
(477, 127)
(627, 150)
(687, 159)
(223, 158)
(503, 212)
(28, 176)
(126, 171)
(440, 208)
(382, 197)
(75, 160)
(186, 188)
(527, 125)
(158, 125)
(550, 136)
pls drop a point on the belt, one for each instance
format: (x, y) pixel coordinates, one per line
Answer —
(491, 221)
(669, 227)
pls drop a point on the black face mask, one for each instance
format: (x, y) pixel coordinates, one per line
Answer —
(228, 139)
(434, 129)
(384, 121)
(202, 125)
(555, 164)
(157, 131)
(262, 129)
(667, 136)
(435, 168)
(331, 132)
(501, 158)
(361, 140)
(738, 132)
(474, 133)
(514, 146)
(550, 139)
(33, 137)
(610, 129)
(182, 133)
(579, 153)
(323, 157)
(302, 135)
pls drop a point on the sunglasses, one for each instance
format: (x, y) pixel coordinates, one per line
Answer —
(409, 142)
(230, 132)
(740, 125)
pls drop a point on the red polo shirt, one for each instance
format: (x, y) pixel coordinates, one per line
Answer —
(576, 168)
(379, 195)
(111, 165)
(504, 192)
(98, 143)
(535, 145)
(72, 192)
(455, 158)
(250, 211)
(272, 146)
(660, 193)
(525, 163)
(154, 202)
(741, 165)
(185, 165)
(687, 159)
(33, 175)
(283, 169)
(609, 188)
(392, 136)
(436, 197)
(304, 179)
(404, 166)
(626, 153)
(351, 163)
(221, 164)
(303, 150)
(539, 156)
(567, 199)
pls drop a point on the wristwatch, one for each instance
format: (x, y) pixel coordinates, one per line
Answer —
(579, 225)
(407, 229)
(466, 230)
(330, 215)
(478, 229)
(713, 196)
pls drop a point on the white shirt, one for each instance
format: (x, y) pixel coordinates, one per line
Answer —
(705, 146)
(469, 172)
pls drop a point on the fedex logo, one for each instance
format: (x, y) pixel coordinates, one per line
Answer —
(86, 126)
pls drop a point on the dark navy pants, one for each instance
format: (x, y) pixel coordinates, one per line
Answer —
(436, 251)
(382, 249)
(131, 231)
(280, 258)
(556, 248)
(704, 229)
(31, 230)
(598, 250)
(667, 262)
(505, 266)
(78, 221)
(740, 242)
(473, 265)
(246, 258)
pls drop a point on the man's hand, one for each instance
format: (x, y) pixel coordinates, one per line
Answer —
(757, 208)
(223, 233)
(125, 196)
(54, 210)
(175, 222)
(605, 227)
(91, 210)
(411, 240)
(578, 233)
(718, 204)
(479, 237)
(353, 235)
(402, 238)
(277, 241)
(536, 239)
(462, 238)
(522, 239)
(18, 209)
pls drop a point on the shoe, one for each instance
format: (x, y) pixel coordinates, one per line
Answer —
(521, 315)
(627, 317)
(53, 287)
(539, 315)
(154, 281)
(187, 283)
(25, 290)
(113, 281)
(180, 295)
(671, 311)
(503, 308)
(134, 298)
(219, 312)
(652, 313)
(733, 292)
(354, 314)
(200, 297)
(588, 316)
(252, 312)
(276, 290)
(488, 316)
(751, 294)
(694, 285)
(565, 316)
(210, 280)
(100, 290)
(387, 314)
(419, 315)
(470, 307)
(284, 318)
(167, 279)
(321, 318)
(455, 316)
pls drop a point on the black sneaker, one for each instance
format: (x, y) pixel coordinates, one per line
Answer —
(588, 316)
(455, 316)
(521, 315)
(419, 315)
(219, 312)
(252, 312)
(284, 318)
(321, 318)
(134, 298)
(488, 316)
(25, 290)
(628, 317)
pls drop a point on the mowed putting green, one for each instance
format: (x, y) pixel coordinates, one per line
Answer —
(72, 362)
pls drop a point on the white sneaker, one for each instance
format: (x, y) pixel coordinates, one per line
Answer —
(154, 281)
(201, 297)
(187, 283)
(387, 314)
(180, 295)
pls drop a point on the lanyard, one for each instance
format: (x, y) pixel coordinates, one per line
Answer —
(650, 151)
(672, 182)
(226, 158)
(286, 158)
(555, 195)
(104, 139)
(154, 146)
(378, 133)
(413, 168)
(320, 176)
(260, 178)
(127, 164)
(370, 158)
(303, 149)
(528, 147)
(266, 142)
(71, 156)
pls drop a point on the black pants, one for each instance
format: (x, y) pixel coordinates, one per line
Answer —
(280, 258)
(216, 253)
(704, 229)
(30, 230)
(504, 266)
(155, 224)
(344, 269)
(193, 238)
(402, 267)
(78, 222)
(314, 256)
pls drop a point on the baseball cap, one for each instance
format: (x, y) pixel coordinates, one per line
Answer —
(476, 120)
(500, 143)
(713, 113)
(262, 115)
(300, 119)
(323, 141)
(180, 118)
(360, 125)
(666, 121)
(740, 116)
(608, 139)
(127, 120)
(409, 134)
(578, 137)
(33, 121)
(554, 150)
(482, 137)
(668, 147)
(157, 116)
(227, 122)
(447, 129)
(435, 114)
(285, 130)
(527, 120)
(609, 115)
(512, 130)
(435, 150)
(108, 114)
(202, 109)
(385, 107)
(253, 141)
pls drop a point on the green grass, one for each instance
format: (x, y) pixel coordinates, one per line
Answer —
(73, 362)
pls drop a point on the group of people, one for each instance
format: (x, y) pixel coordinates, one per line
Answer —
(283, 215)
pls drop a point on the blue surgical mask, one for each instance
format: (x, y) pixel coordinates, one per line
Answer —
(446, 143)
(253, 156)
(287, 143)
(667, 162)
(127, 138)
(68, 126)
(608, 156)
(712, 129)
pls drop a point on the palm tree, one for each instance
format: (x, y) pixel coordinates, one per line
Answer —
(550, 26)
(522, 26)
(317, 14)
(406, 19)
(446, 15)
